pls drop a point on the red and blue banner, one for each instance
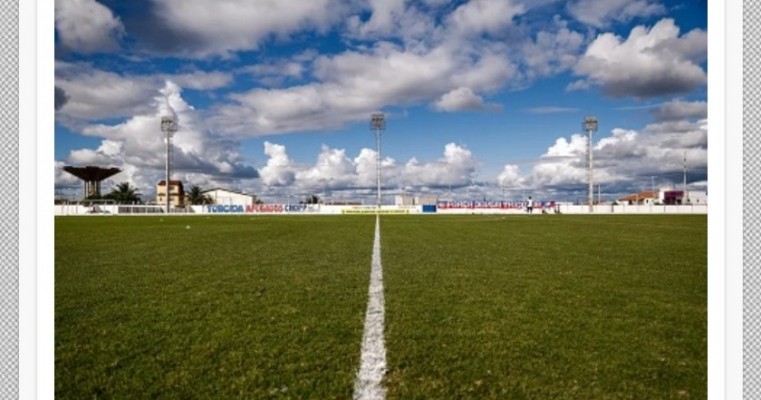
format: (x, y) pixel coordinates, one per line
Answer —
(502, 205)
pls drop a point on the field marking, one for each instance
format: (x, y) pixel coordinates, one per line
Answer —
(373, 360)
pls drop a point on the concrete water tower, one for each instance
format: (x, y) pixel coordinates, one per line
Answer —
(92, 177)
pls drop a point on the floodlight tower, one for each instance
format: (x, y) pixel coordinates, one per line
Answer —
(168, 128)
(590, 126)
(685, 194)
(378, 125)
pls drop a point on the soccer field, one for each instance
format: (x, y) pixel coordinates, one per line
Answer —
(544, 306)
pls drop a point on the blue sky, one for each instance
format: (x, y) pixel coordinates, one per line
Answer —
(482, 98)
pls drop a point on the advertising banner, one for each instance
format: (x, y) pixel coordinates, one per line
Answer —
(374, 210)
(261, 208)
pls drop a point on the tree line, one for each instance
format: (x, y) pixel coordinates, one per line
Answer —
(125, 193)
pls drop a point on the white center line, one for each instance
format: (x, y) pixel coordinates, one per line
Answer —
(373, 360)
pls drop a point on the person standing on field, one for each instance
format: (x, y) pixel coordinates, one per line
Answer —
(529, 205)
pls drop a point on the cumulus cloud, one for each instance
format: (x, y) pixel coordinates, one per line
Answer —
(98, 94)
(510, 177)
(552, 50)
(188, 28)
(601, 13)
(484, 16)
(650, 62)
(137, 146)
(456, 168)
(336, 171)
(680, 109)
(461, 99)
(384, 18)
(93, 93)
(86, 26)
(200, 80)
(279, 170)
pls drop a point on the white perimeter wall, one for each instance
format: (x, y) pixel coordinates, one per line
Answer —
(391, 209)
(636, 209)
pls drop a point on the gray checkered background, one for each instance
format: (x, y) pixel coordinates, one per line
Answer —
(751, 190)
(8, 203)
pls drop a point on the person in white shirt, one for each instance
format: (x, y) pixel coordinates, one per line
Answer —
(529, 205)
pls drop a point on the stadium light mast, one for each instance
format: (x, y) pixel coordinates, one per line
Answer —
(378, 125)
(168, 128)
(590, 126)
(685, 195)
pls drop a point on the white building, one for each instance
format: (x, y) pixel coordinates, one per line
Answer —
(176, 193)
(409, 200)
(229, 197)
(697, 197)
(673, 196)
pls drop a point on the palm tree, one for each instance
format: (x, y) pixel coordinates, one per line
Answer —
(124, 193)
(196, 197)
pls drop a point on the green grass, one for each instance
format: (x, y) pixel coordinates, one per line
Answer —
(534, 307)
(234, 307)
(555, 307)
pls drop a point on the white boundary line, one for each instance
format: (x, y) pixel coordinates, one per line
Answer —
(373, 360)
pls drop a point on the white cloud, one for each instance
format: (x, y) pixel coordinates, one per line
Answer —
(395, 19)
(680, 109)
(235, 25)
(601, 13)
(385, 13)
(565, 148)
(93, 93)
(200, 80)
(278, 171)
(484, 16)
(334, 170)
(86, 26)
(551, 51)
(650, 62)
(456, 168)
(460, 99)
(510, 177)
(96, 94)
